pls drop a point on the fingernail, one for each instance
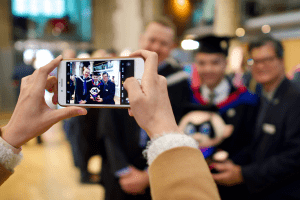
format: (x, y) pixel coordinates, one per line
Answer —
(211, 166)
(81, 112)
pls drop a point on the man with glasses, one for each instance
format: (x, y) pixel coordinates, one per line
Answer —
(108, 93)
(269, 166)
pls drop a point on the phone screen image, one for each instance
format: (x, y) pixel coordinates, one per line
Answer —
(98, 82)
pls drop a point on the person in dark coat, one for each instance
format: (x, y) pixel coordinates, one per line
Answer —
(108, 93)
(124, 169)
(19, 72)
(216, 93)
(269, 165)
(82, 130)
(81, 90)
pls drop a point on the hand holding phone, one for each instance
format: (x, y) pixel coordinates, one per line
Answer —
(32, 116)
(150, 103)
(97, 82)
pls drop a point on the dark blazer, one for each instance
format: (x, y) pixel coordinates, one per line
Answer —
(108, 93)
(274, 155)
(79, 89)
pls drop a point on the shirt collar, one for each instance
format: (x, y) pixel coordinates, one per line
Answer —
(221, 91)
(270, 95)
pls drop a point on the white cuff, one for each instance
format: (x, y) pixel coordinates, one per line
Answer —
(7, 157)
(165, 142)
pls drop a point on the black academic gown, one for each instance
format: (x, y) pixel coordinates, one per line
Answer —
(79, 89)
(82, 131)
(240, 111)
(273, 158)
(82, 134)
(122, 137)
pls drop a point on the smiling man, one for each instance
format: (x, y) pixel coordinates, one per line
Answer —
(271, 161)
(124, 170)
(217, 93)
(81, 92)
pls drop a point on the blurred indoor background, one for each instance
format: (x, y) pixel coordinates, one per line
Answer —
(42, 29)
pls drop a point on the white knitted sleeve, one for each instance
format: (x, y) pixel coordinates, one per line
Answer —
(7, 157)
(165, 142)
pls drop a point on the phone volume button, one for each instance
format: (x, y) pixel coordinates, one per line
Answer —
(61, 82)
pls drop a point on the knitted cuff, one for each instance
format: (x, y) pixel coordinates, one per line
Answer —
(7, 157)
(165, 142)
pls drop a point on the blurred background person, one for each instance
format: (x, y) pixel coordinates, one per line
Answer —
(111, 52)
(267, 166)
(100, 53)
(124, 171)
(20, 71)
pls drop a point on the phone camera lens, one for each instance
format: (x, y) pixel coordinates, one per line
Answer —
(128, 64)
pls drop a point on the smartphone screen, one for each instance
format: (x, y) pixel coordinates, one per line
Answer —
(98, 82)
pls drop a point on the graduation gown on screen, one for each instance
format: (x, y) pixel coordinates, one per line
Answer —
(81, 92)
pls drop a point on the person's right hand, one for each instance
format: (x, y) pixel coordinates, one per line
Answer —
(149, 102)
(135, 182)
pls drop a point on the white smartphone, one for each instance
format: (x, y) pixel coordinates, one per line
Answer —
(97, 82)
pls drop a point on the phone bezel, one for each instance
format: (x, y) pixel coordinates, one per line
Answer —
(61, 76)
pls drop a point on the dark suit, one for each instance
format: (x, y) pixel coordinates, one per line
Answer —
(79, 89)
(108, 92)
(273, 157)
(122, 140)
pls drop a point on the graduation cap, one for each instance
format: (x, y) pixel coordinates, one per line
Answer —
(213, 44)
(85, 64)
(97, 73)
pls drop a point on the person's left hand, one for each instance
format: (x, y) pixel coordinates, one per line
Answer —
(229, 173)
(32, 116)
(135, 182)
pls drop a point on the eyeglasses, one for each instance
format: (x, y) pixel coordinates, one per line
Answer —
(267, 60)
